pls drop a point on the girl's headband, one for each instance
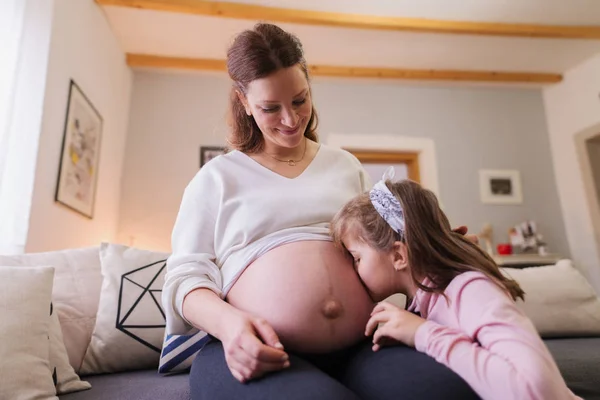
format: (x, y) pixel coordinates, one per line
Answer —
(386, 204)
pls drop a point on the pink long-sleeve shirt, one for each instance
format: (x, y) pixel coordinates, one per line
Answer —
(481, 335)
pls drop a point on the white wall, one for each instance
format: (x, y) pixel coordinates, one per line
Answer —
(573, 109)
(82, 48)
(173, 114)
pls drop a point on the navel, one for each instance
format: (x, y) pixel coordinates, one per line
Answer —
(332, 309)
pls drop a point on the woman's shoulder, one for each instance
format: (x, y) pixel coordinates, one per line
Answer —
(338, 153)
(217, 169)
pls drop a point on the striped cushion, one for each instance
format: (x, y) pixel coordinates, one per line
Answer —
(179, 351)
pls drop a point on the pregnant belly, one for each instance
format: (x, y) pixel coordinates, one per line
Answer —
(310, 294)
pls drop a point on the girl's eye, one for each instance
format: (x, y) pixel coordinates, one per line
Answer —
(270, 110)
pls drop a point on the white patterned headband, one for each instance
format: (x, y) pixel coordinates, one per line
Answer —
(386, 204)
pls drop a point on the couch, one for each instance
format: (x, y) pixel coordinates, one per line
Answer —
(577, 358)
(94, 287)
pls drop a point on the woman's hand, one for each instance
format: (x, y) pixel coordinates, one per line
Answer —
(252, 347)
(399, 325)
(463, 231)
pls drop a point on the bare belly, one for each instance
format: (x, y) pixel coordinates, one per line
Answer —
(310, 294)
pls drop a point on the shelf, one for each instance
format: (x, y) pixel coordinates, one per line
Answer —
(524, 260)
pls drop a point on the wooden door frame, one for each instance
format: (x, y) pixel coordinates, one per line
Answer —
(411, 159)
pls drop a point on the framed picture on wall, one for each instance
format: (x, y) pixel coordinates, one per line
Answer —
(500, 186)
(207, 153)
(80, 156)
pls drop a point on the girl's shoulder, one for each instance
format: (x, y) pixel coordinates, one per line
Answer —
(473, 281)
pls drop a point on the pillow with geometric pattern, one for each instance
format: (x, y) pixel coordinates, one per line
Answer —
(130, 322)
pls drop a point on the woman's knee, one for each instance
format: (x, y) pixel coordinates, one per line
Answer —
(402, 371)
(210, 378)
(209, 372)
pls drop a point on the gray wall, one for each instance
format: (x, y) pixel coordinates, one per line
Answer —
(473, 128)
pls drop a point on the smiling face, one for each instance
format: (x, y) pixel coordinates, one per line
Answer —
(375, 267)
(281, 105)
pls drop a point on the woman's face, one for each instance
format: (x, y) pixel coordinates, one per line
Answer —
(281, 106)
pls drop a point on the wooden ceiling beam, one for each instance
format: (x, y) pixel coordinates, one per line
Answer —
(343, 20)
(151, 61)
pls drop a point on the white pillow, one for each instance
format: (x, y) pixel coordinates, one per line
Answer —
(24, 349)
(75, 296)
(66, 380)
(130, 323)
(558, 300)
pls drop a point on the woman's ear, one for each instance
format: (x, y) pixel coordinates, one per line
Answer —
(399, 256)
(244, 102)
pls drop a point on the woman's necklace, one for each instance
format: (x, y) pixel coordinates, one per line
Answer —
(290, 162)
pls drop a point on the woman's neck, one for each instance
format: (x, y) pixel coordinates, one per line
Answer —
(285, 153)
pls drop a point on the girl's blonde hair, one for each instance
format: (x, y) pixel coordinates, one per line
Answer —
(434, 250)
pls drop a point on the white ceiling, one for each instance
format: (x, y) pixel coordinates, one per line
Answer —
(181, 35)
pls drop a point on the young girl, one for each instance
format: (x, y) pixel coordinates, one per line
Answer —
(461, 308)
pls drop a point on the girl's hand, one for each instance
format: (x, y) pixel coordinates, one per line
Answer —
(252, 347)
(399, 325)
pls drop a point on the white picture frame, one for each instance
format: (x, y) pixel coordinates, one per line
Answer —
(499, 186)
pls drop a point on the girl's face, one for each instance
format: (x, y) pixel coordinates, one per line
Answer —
(375, 267)
(281, 106)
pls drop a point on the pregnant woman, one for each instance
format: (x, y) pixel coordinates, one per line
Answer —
(253, 264)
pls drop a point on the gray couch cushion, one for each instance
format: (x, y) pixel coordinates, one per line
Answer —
(137, 385)
(578, 361)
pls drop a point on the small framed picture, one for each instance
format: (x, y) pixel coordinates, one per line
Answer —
(500, 186)
(80, 156)
(207, 153)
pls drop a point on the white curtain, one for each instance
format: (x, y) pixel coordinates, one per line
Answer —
(25, 29)
(12, 15)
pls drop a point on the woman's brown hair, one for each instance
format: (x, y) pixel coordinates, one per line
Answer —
(254, 54)
(434, 250)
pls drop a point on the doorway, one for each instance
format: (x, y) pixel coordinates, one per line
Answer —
(592, 146)
(406, 164)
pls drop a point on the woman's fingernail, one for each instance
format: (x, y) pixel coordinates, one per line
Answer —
(286, 364)
(278, 345)
(285, 357)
